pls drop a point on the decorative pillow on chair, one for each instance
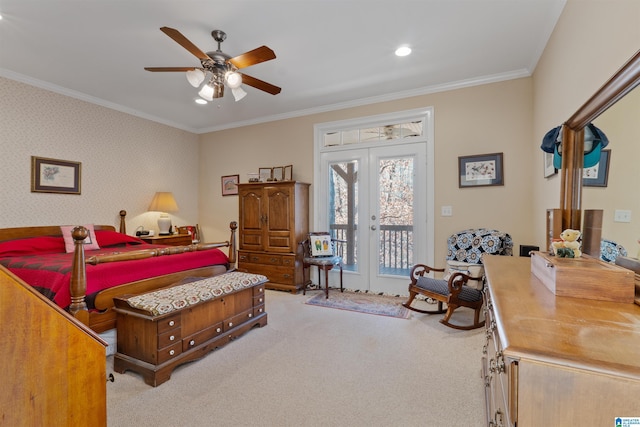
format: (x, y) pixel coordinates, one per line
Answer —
(471, 270)
(320, 245)
(90, 243)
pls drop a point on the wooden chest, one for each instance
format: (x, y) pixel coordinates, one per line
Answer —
(583, 277)
(153, 343)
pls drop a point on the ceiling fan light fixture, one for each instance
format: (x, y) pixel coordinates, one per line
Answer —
(233, 79)
(238, 93)
(195, 77)
(206, 92)
(403, 51)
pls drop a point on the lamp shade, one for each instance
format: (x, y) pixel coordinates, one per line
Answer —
(163, 201)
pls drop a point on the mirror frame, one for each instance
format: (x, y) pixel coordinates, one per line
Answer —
(621, 83)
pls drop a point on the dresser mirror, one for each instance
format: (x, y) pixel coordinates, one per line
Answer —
(614, 109)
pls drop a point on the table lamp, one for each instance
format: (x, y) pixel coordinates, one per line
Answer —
(163, 202)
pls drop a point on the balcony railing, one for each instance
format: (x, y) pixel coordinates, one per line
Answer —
(395, 253)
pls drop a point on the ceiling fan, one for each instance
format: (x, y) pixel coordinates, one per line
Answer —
(220, 69)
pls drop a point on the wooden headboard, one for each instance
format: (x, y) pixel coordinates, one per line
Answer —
(52, 230)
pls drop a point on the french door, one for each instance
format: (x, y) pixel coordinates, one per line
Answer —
(375, 202)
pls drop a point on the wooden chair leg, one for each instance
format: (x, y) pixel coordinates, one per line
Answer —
(341, 289)
(326, 281)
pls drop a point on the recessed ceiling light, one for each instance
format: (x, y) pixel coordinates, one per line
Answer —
(201, 101)
(403, 51)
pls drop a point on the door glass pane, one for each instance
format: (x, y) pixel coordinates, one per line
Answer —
(395, 198)
(343, 210)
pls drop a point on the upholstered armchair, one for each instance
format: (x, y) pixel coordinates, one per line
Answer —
(464, 279)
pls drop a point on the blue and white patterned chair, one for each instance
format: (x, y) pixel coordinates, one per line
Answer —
(610, 250)
(464, 279)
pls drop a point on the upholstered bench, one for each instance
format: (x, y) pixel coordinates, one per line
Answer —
(159, 330)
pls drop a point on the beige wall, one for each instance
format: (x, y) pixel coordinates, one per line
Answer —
(592, 39)
(478, 120)
(125, 160)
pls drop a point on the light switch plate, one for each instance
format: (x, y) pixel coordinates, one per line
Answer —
(622, 215)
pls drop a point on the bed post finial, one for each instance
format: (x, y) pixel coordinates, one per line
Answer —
(123, 225)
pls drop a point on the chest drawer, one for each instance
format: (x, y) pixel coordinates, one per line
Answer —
(169, 338)
(169, 323)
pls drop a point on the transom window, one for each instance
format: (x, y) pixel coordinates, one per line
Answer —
(374, 133)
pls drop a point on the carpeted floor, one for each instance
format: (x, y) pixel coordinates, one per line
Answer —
(381, 305)
(318, 367)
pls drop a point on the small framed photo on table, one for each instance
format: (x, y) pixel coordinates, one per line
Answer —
(288, 173)
(265, 174)
(480, 170)
(278, 173)
(230, 185)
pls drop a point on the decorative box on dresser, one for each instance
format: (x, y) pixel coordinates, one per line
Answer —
(274, 219)
(555, 360)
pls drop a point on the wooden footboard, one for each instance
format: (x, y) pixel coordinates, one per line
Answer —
(104, 317)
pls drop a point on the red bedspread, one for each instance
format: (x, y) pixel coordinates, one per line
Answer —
(50, 273)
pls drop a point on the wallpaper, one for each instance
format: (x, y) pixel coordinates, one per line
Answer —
(125, 160)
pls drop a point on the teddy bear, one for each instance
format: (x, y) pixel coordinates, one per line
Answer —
(570, 240)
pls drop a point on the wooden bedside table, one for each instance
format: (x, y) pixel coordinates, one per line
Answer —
(172, 240)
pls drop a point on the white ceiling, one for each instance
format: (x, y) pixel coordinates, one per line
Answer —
(330, 53)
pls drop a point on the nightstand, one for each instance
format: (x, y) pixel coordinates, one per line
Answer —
(172, 240)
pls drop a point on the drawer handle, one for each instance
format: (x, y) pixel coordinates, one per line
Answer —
(274, 260)
(171, 338)
(230, 324)
(171, 323)
(192, 342)
(218, 330)
(260, 290)
(260, 310)
(255, 259)
(286, 276)
(172, 352)
(260, 299)
(250, 315)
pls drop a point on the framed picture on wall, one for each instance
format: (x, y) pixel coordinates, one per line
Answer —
(230, 185)
(55, 176)
(549, 170)
(597, 176)
(480, 170)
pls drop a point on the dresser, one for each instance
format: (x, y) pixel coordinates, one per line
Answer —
(273, 220)
(555, 361)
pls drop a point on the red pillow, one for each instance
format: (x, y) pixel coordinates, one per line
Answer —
(111, 238)
(32, 246)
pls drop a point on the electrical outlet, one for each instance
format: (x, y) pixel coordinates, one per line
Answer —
(446, 211)
(622, 216)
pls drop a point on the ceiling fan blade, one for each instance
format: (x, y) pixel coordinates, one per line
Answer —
(255, 56)
(169, 68)
(259, 84)
(185, 43)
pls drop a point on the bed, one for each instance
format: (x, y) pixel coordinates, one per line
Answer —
(83, 280)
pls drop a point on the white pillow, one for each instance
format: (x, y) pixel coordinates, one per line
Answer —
(472, 270)
(90, 243)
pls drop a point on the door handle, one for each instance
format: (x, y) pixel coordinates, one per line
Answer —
(373, 227)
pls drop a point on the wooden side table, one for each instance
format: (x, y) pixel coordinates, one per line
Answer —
(171, 240)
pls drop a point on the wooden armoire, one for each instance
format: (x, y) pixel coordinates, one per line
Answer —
(273, 221)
